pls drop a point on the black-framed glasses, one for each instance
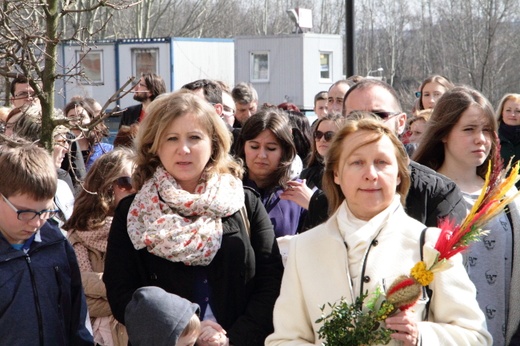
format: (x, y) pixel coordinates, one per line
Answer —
(328, 135)
(24, 95)
(28, 215)
(124, 183)
(385, 115)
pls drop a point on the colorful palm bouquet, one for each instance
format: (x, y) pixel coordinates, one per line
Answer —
(349, 324)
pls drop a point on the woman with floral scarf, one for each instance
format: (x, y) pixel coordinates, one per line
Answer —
(192, 229)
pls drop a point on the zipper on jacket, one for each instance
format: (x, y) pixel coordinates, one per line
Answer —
(58, 280)
(36, 300)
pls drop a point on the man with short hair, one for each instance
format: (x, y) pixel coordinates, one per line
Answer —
(246, 102)
(336, 95)
(432, 196)
(209, 90)
(229, 108)
(320, 104)
(145, 91)
(22, 93)
(212, 92)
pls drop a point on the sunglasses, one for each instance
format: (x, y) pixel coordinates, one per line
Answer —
(124, 183)
(328, 135)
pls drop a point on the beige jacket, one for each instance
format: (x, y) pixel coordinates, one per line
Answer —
(93, 284)
(317, 273)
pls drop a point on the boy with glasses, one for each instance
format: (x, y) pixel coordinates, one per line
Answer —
(40, 284)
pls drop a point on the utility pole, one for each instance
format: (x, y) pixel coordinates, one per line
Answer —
(350, 61)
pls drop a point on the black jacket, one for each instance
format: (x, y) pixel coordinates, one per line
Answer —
(131, 115)
(313, 175)
(510, 146)
(74, 163)
(431, 197)
(244, 277)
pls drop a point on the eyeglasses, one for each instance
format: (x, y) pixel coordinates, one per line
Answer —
(385, 115)
(124, 183)
(62, 143)
(28, 215)
(328, 135)
(230, 111)
(24, 95)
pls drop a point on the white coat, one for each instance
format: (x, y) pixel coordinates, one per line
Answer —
(317, 273)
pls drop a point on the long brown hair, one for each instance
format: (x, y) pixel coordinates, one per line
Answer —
(446, 113)
(445, 82)
(338, 120)
(276, 121)
(96, 199)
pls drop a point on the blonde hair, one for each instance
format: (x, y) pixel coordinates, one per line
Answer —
(378, 129)
(507, 97)
(160, 114)
(424, 115)
(192, 327)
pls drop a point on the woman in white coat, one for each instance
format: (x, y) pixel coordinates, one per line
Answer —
(367, 242)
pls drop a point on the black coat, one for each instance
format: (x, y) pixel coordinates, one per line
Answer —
(510, 146)
(131, 115)
(431, 197)
(74, 162)
(313, 175)
(244, 277)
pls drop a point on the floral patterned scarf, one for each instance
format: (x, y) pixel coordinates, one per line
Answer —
(180, 226)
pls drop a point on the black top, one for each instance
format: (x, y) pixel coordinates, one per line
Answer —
(131, 115)
(313, 175)
(244, 277)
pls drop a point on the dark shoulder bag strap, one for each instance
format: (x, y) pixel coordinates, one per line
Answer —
(507, 210)
(427, 288)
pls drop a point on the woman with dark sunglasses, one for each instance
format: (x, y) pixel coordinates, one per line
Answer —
(303, 191)
(107, 182)
(325, 128)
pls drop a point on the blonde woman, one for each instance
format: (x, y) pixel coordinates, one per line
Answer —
(192, 229)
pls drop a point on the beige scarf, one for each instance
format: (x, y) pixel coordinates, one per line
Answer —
(179, 226)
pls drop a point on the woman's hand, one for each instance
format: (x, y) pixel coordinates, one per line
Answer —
(212, 334)
(298, 192)
(404, 324)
